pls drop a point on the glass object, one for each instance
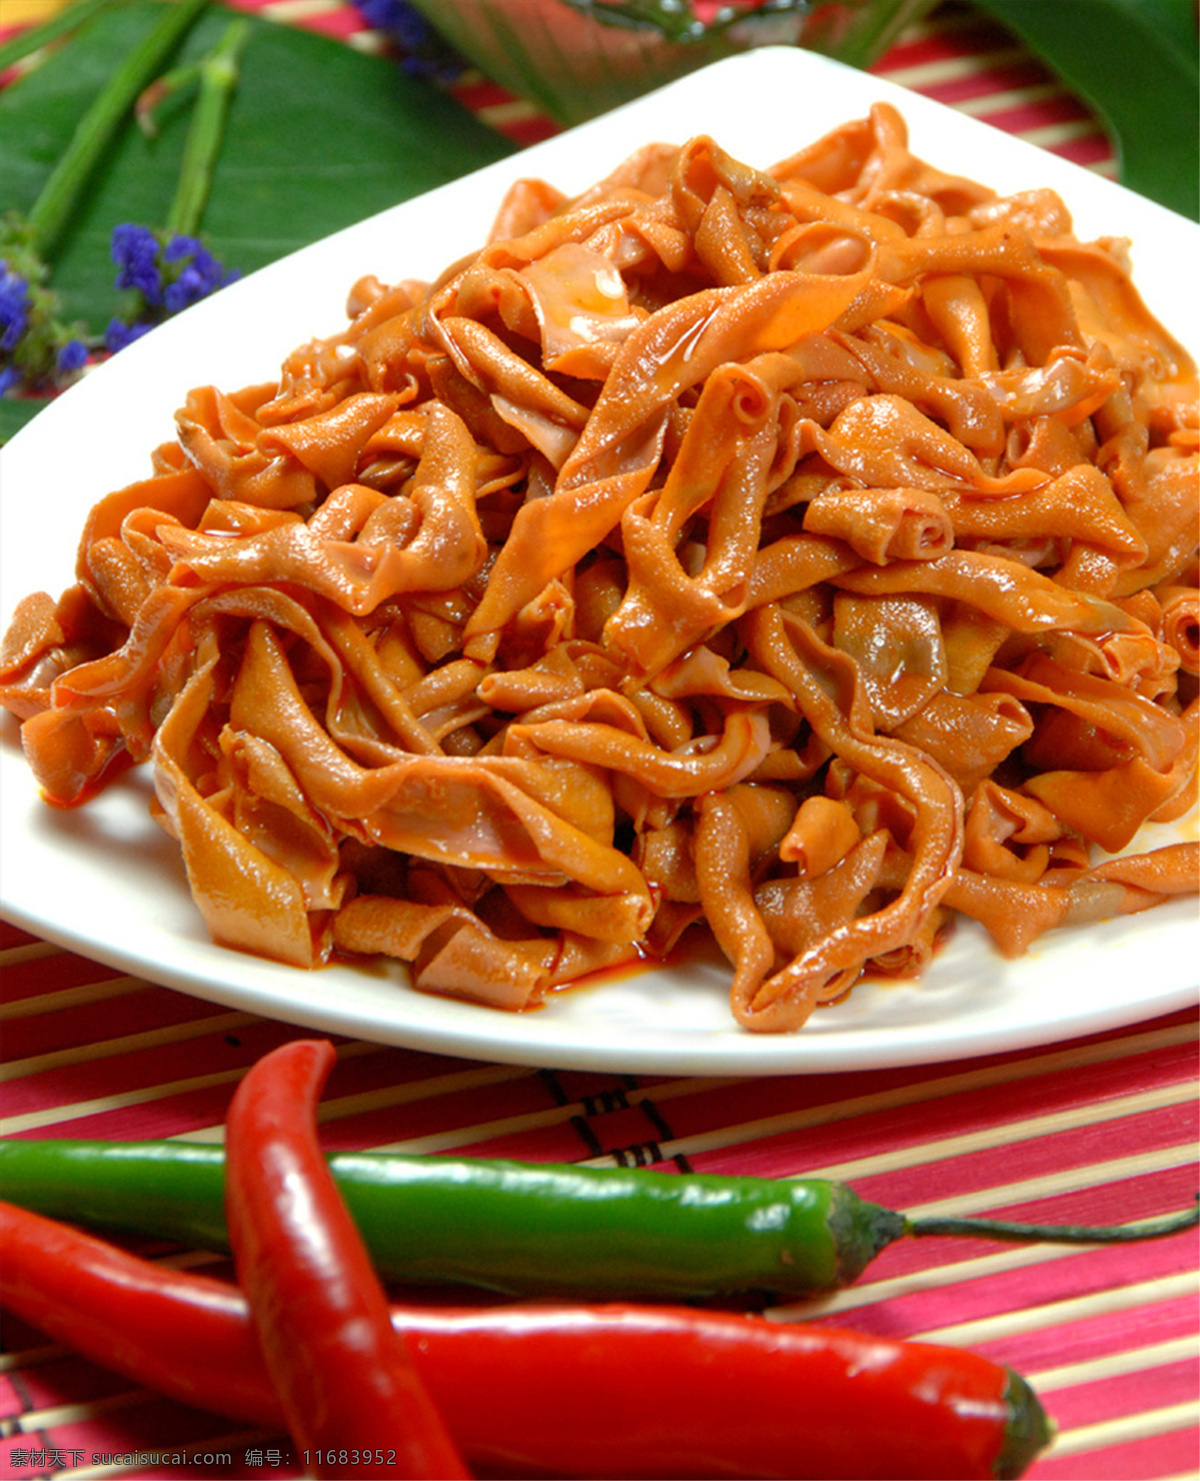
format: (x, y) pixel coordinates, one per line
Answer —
(575, 59)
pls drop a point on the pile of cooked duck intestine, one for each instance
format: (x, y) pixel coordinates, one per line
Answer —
(805, 555)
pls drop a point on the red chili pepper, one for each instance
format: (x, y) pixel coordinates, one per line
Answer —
(354, 1400)
(559, 1389)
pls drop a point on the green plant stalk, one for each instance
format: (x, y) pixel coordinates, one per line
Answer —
(33, 38)
(218, 79)
(55, 205)
(167, 86)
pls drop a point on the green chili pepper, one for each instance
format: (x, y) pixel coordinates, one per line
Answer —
(525, 1228)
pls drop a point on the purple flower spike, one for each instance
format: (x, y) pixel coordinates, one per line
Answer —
(14, 307)
(180, 247)
(200, 275)
(118, 335)
(422, 51)
(135, 252)
(72, 357)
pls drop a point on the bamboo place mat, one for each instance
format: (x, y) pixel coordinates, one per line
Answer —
(1097, 1129)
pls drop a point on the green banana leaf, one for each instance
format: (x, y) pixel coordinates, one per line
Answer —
(318, 137)
(1135, 62)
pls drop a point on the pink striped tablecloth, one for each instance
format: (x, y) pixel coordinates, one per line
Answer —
(1094, 1130)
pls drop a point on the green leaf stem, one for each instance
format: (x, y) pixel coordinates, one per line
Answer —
(218, 74)
(51, 212)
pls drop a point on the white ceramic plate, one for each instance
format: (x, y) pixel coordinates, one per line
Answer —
(105, 881)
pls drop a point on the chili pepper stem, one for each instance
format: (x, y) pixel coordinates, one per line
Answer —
(1029, 1430)
(1058, 1233)
(54, 207)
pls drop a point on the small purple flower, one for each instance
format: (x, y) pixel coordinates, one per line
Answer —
(180, 246)
(407, 25)
(72, 357)
(10, 379)
(423, 52)
(14, 307)
(187, 289)
(119, 334)
(200, 275)
(135, 252)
